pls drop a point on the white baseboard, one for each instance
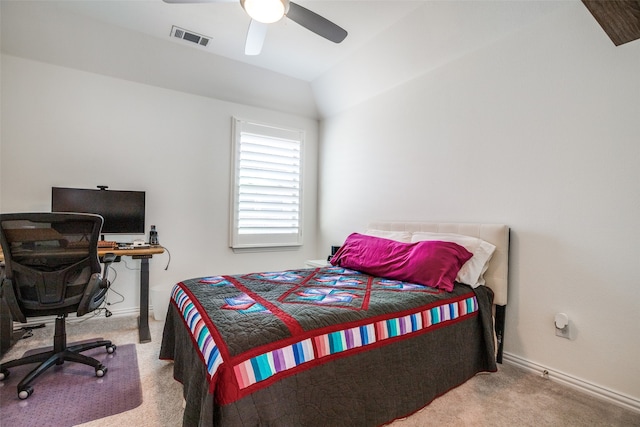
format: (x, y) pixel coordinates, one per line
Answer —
(600, 392)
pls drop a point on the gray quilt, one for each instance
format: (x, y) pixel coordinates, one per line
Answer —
(321, 347)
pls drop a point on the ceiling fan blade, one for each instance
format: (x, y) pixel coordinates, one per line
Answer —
(255, 37)
(316, 23)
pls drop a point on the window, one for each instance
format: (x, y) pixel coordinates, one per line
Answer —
(267, 186)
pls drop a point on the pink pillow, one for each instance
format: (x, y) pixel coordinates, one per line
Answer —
(431, 263)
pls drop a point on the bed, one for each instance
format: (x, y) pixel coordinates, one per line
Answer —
(335, 346)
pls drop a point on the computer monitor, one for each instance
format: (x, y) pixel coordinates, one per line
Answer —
(123, 211)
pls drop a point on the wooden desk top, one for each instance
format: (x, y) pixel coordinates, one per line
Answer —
(152, 250)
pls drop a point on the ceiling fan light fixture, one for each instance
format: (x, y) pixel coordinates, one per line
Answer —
(265, 11)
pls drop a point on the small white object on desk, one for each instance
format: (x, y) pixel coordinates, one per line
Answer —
(315, 263)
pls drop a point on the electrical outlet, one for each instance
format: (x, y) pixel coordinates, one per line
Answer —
(563, 327)
(564, 332)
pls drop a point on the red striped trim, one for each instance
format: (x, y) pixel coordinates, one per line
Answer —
(367, 293)
(292, 324)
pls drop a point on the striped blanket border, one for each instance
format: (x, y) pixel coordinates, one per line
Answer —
(271, 363)
(206, 345)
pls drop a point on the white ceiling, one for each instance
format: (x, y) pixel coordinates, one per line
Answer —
(289, 48)
(298, 71)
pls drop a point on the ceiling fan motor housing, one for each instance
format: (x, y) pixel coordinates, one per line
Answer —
(266, 11)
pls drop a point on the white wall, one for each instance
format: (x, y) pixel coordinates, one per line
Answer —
(539, 131)
(64, 127)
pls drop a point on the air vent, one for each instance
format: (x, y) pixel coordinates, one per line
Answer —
(189, 36)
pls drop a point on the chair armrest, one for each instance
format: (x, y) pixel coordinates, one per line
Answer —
(107, 260)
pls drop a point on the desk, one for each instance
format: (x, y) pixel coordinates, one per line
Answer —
(143, 254)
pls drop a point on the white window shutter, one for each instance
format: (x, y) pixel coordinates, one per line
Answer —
(267, 186)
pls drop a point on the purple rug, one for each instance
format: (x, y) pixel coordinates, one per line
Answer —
(71, 394)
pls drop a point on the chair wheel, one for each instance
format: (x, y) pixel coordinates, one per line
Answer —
(101, 370)
(4, 374)
(111, 348)
(25, 392)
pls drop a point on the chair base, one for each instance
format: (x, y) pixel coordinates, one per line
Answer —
(57, 356)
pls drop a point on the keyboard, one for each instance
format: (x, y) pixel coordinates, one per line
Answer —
(131, 247)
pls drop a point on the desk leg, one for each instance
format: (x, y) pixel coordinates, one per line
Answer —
(143, 321)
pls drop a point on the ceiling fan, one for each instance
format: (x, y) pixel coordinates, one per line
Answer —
(265, 12)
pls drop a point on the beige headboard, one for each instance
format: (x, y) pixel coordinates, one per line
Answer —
(497, 234)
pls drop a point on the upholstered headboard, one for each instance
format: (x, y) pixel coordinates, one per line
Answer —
(496, 275)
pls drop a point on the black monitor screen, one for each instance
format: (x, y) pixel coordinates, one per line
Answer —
(123, 211)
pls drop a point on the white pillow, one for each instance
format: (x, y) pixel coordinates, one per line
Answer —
(472, 272)
(399, 236)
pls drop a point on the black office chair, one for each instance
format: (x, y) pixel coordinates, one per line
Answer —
(52, 268)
